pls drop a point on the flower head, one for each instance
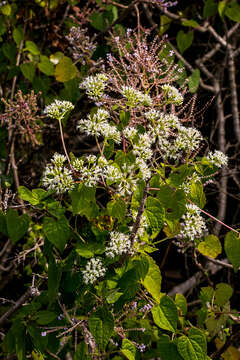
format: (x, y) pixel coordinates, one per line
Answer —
(172, 94)
(58, 109)
(218, 158)
(94, 270)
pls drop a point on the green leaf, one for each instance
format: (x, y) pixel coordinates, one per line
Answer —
(165, 22)
(209, 9)
(222, 294)
(101, 326)
(232, 11)
(18, 35)
(3, 224)
(206, 294)
(10, 51)
(3, 26)
(45, 317)
(165, 315)
(98, 21)
(152, 280)
(90, 249)
(32, 48)
(55, 58)
(197, 195)
(191, 23)
(65, 70)
(155, 214)
(190, 349)
(181, 303)
(45, 65)
(198, 336)
(232, 249)
(211, 246)
(117, 209)
(184, 40)
(39, 342)
(81, 352)
(57, 231)
(84, 202)
(28, 70)
(167, 349)
(54, 278)
(193, 81)
(17, 226)
(222, 8)
(174, 202)
(26, 194)
(128, 349)
(6, 9)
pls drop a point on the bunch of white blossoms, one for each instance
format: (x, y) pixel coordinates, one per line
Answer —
(58, 109)
(93, 270)
(97, 125)
(119, 244)
(56, 176)
(172, 95)
(88, 171)
(135, 97)
(193, 225)
(217, 158)
(94, 86)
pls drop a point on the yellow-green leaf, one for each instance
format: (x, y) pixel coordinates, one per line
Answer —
(211, 246)
(153, 279)
(65, 70)
(232, 249)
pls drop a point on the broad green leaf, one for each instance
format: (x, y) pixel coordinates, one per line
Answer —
(45, 65)
(193, 81)
(101, 325)
(54, 278)
(165, 22)
(26, 194)
(32, 48)
(10, 51)
(222, 8)
(28, 70)
(17, 226)
(165, 315)
(191, 23)
(6, 9)
(44, 317)
(55, 58)
(153, 279)
(181, 303)
(155, 214)
(117, 209)
(128, 349)
(84, 202)
(39, 342)
(211, 246)
(37, 355)
(81, 352)
(198, 336)
(174, 202)
(197, 194)
(206, 294)
(184, 40)
(65, 70)
(3, 26)
(57, 231)
(3, 224)
(232, 249)
(167, 349)
(190, 349)
(19, 333)
(223, 293)
(209, 9)
(90, 249)
(232, 11)
(18, 35)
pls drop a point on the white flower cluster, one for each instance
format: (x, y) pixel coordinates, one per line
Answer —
(130, 133)
(94, 86)
(58, 109)
(193, 225)
(56, 176)
(218, 158)
(188, 139)
(172, 94)
(89, 171)
(142, 148)
(94, 270)
(135, 97)
(118, 245)
(162, 122)
(186, 185)
(97, 125)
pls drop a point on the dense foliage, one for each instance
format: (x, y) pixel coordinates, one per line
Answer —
(104, 169)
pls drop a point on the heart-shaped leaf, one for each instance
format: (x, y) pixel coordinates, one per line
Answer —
(17, 225)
